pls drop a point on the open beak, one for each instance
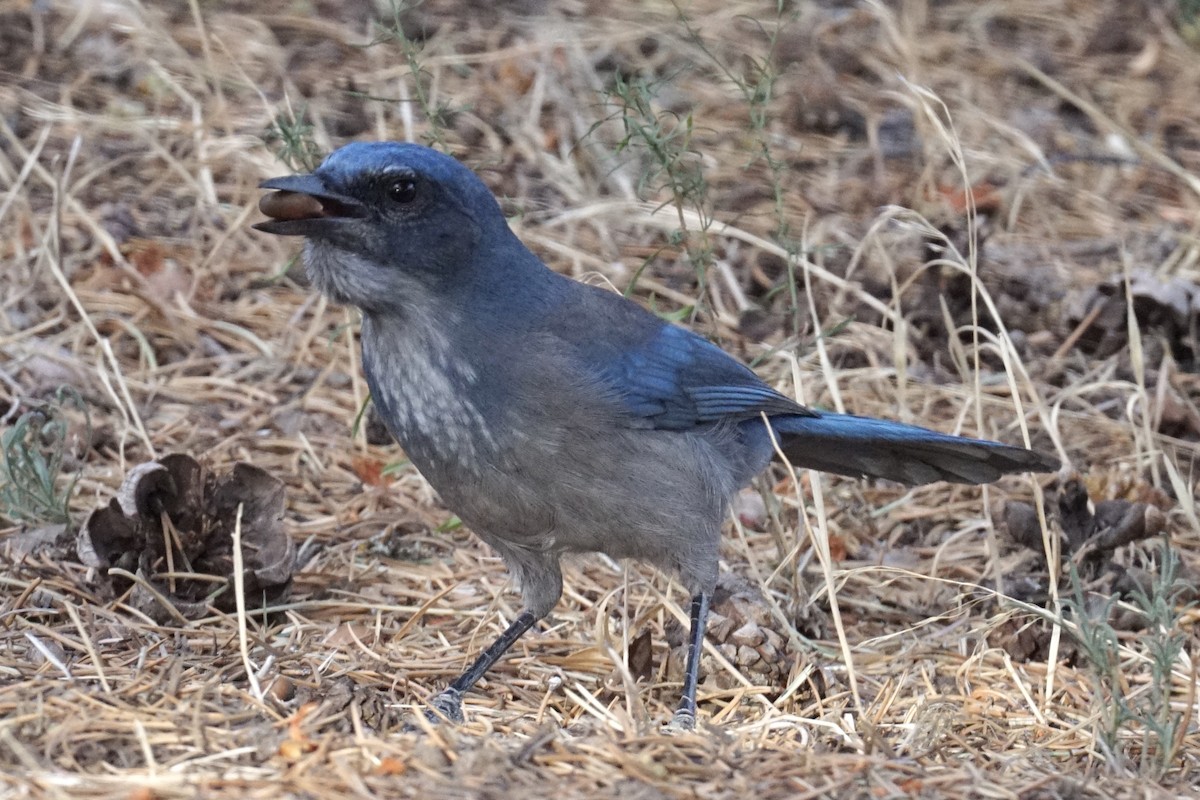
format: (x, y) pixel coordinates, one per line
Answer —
(301, 205)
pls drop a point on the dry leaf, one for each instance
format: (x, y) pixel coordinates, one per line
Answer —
(370, 471)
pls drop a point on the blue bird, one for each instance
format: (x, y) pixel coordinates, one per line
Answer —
(555, 417)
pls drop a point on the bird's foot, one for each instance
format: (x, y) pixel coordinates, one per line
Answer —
(684, 721)
(446, 705)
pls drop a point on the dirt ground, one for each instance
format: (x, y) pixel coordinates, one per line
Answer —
(982, 217)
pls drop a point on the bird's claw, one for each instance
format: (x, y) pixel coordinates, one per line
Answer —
(684, 721)
(445, 706)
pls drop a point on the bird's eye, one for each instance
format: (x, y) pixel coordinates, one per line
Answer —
(402, 190)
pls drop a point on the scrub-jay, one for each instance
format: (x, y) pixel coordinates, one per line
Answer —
(555, 417)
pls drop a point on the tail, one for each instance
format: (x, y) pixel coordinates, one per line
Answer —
(856, 446)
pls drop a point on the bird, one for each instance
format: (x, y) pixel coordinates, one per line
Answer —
(556, 417)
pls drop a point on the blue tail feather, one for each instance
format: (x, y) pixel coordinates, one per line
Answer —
(861, 446)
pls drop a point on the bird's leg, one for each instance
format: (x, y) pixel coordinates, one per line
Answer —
(448, 702)
(685, 715)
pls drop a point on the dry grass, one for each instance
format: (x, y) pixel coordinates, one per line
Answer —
(130, 148)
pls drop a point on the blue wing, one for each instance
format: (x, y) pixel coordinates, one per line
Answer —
(664, 377)
(677, 380)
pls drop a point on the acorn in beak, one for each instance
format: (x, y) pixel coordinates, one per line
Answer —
(301, 205)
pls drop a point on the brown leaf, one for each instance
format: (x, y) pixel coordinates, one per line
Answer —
(837, 548)
(165, 274)
(987, 198)
(390, 765)
(370, 471)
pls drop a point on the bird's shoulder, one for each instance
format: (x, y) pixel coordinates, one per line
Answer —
(663, 376)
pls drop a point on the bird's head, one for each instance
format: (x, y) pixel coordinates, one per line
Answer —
(387, 223)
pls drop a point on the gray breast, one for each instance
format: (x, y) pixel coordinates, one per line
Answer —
(427, 397)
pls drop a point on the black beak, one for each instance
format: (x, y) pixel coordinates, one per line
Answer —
(302, 205)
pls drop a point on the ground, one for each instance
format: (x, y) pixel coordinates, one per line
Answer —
(981, 217)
